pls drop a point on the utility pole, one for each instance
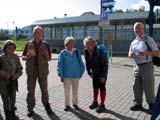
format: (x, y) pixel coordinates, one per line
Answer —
(151, 16)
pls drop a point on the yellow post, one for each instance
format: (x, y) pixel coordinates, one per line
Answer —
(110, 44)
(110, 37)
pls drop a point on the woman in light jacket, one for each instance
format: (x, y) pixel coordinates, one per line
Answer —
(70, 69)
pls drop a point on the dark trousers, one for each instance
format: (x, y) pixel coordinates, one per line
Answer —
(9, 103)
(97, 84)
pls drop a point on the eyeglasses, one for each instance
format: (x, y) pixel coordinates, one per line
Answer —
(11, 47)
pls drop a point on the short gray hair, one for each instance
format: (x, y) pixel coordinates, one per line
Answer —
(89, 40)
(68, 39)
(138, 23)
(37, 27)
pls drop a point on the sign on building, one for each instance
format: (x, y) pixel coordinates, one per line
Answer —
(106, 7)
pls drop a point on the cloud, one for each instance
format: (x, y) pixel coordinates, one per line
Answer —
(131, 4)
(141, 3)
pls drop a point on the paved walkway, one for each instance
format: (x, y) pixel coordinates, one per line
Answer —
(118, 102)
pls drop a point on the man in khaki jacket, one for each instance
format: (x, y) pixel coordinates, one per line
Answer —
(37, 54)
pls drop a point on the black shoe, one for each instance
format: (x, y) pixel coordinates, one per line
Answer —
(150, 106)
(67, 108)
(15, 117)
(101, 109)
(94, 105)
(30, 113)
(76, 107)
(136, 107)
(48, 110)
(15, 108)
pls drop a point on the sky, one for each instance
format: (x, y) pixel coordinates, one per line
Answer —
(22, 13)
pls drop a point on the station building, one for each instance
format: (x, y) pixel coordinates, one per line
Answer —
(120, 25)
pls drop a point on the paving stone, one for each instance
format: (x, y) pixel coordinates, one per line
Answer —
(118, 101)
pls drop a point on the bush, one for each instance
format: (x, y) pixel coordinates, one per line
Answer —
(21, 36)
(4, 37)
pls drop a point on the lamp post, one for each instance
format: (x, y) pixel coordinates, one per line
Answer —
(13, 26)
(7, 28)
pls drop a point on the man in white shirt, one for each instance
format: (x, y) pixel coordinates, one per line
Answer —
(143, 69)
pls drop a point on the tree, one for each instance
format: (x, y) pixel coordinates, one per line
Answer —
(118, 11)
(142, 8)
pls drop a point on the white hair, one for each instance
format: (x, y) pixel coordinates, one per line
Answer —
(138, 23)
(37, 27)
(68, 39)
(89, 40)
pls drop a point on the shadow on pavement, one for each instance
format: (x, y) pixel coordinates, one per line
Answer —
(54, 117)
(122, 117)
(83, 115)
(1, 118)
(37, 117)
(146, 111)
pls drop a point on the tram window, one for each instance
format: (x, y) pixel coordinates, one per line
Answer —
(59, 33)
(79, 32)
(53, 33)
(65, 32)
(93, 31)
(47, 33)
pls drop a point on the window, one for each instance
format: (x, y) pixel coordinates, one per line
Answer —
(47, 33)
(92, 31)
(65, 32)
(79, 32)
(59, 32)
(53, 33)
(127, 32)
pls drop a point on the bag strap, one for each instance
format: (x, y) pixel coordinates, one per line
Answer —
(77, 54)
(145, 39)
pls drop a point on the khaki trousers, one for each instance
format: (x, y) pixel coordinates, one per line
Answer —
(31, 85)
(74, 82)
(144, 81)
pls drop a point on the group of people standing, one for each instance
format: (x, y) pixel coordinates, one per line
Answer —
(70, 68)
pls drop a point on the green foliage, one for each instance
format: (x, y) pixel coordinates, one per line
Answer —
(20, 44)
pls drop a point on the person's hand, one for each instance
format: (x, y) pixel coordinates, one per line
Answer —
(80, 76)
(24, 57)
(91, 75)
(31, 53)
(6, 74)
(45, 53)
(132, 55)
(143, 53)
(13, 76)
(62, 79)
(102, 79)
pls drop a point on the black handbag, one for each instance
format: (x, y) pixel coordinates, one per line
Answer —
(155, 59)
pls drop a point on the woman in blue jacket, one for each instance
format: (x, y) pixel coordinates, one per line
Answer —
(70, 69)
(97, 68)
